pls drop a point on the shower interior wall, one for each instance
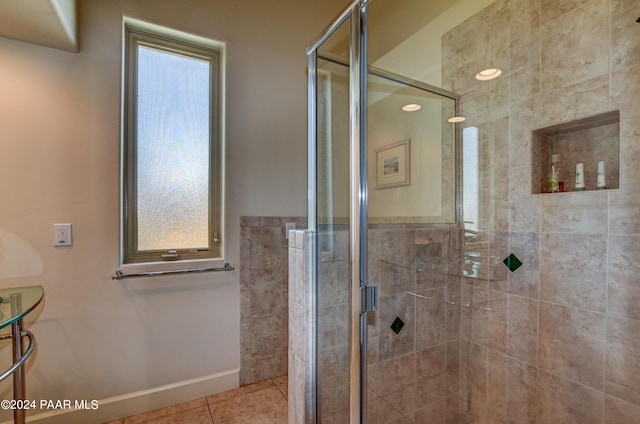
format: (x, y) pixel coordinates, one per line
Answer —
(414, 373)
(555, 340)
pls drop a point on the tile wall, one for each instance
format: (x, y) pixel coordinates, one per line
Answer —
(333, 327)
(555, 341)
(300, 316)
(263, 294)
(414, 337)
(412, 373)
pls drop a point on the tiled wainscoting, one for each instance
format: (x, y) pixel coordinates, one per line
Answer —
(521, 346)
(301, 328)
(263, 293)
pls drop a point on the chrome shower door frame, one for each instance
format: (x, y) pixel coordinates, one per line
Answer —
(357, 12)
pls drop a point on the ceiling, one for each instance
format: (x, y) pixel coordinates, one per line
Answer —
(50, 23)
(389, 23)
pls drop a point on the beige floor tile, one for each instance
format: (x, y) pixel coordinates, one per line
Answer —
(260, 403)
(199, 415)
(266, 406)
(164, 412)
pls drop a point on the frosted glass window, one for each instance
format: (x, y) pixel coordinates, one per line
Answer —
(172, 150)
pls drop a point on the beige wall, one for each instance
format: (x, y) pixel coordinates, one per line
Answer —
(59, 133)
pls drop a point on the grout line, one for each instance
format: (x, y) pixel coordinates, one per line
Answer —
(210, 413)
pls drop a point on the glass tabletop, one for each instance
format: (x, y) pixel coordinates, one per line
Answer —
(17, 302)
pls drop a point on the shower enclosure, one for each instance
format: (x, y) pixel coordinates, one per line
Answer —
(385, 216)
(449, 284)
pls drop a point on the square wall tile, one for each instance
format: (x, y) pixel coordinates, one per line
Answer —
(522, 332)
(431, 318)
(573, 270)
(564, 401)
(584, 212)
(624, 43)
(622, 365)
(623, 293)
(572, 343)
(575, 101)
(575, 45)
(522, 383)
(617, 411)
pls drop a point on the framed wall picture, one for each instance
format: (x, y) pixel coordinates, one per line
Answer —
(392, 165)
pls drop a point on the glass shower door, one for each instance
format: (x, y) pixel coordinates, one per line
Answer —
(329, 216)
(412, 346)
(384, 212)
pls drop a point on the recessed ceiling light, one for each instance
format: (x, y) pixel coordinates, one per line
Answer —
(455, 119)
(488, 74)
(411, 107)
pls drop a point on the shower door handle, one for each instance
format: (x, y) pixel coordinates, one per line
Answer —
(368, 299)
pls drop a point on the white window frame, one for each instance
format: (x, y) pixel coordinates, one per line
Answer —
(137, 32)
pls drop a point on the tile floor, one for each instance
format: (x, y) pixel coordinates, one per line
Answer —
(259, 403)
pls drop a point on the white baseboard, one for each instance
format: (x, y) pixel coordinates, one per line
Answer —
(142, 401)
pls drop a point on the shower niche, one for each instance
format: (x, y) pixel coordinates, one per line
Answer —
(588, 141)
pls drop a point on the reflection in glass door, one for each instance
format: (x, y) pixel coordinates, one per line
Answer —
(412, 250)
(385, 214)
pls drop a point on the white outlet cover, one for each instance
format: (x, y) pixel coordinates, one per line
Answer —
(62, 235)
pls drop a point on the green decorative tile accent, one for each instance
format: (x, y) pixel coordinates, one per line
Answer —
(512, 262)
(397, 325)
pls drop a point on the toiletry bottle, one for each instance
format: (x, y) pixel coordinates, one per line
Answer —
(552, 178)
(557, 167)
(580, 177)
(601, 181)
